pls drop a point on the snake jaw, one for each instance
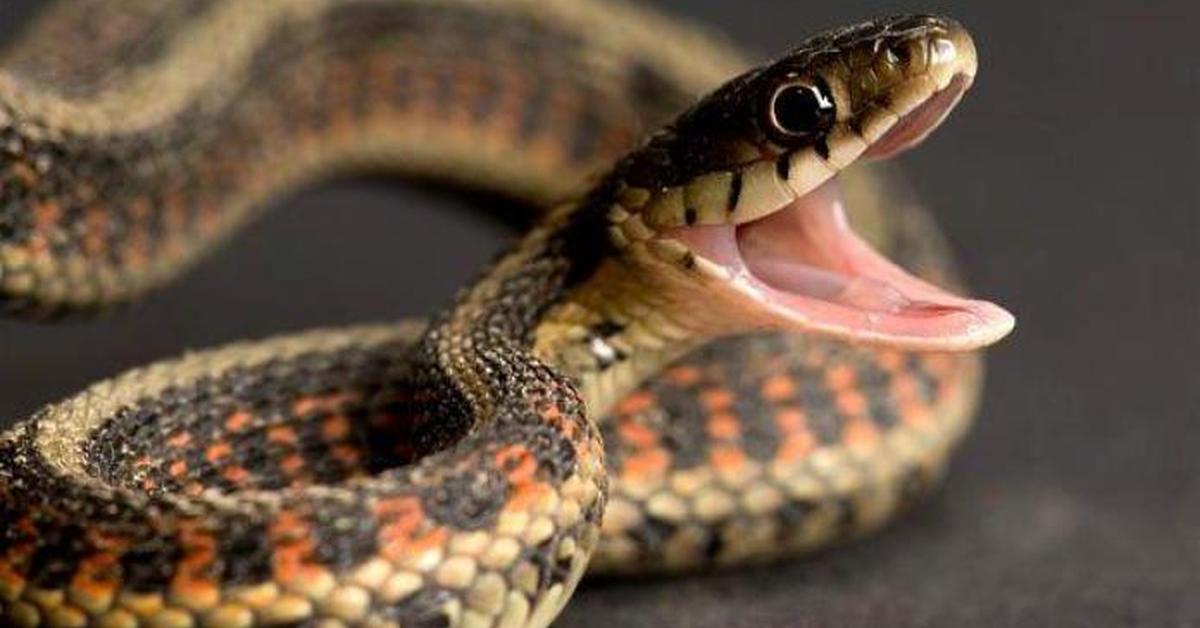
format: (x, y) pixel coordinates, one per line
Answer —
(804, 268)
(801, 266)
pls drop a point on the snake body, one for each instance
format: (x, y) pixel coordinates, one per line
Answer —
(573, 407)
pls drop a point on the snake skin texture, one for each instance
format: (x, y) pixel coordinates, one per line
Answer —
(463, 472)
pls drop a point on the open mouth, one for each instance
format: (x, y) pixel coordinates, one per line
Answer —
(805, 264)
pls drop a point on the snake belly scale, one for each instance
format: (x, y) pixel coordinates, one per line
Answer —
(690, 360)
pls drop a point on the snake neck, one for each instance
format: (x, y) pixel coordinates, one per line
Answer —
(563, 301)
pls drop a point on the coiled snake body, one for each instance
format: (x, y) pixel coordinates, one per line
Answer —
(692, 362)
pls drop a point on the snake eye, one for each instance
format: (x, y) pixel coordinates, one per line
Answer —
(801, 110)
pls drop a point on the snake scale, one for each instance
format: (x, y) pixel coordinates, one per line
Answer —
(691, 359)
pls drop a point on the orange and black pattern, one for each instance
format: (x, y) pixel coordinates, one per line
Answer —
(404, 475)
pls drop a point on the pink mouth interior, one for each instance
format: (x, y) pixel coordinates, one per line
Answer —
(805, 264)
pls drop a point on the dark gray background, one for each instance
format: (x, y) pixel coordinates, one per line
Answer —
(1069, 183)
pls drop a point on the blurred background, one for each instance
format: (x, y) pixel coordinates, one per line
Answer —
(1069, 182)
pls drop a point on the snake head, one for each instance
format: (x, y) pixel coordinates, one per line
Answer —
(737, 203)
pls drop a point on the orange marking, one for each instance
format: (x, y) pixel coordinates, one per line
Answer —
(9, 576)
(796, 447)
(860, 433)
(292, 464)
(525, 495)
(851, 402)
(174, 223)
(637, 434)
(45, 218)
(891, 360)
(94, 577)
(335, 428)
(519, 465)
(916, 414)
(724, 426)
(651, 462)
(180, 440)
(840, 376)
(405, 530)
(95, 233)
(778, 388)
(293, 547)
(683, 375)
(727, 457)
(177, 468)
(46, 215)
(236, 474)
(137, 251)
(346, 455)
(637, 402)
(716, 399)
(97, 573)
(282, 435)
(938, 363)
(791, 420)
(321, 403)
(906, 389)
(217, 452)
(26, 174)
(552, 413)
(191, 578)
(238, 421)
(140, 209)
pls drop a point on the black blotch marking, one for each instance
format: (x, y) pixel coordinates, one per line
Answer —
(690, 216)
(682, 432)
(345, 533)
(424, 609)
(856, 125)
(655, 95)
(241, 550)
(533, 116)
(847, 517)
(735, 192)
(783, 166)
(607, 329)
(822, 147)
(713, 546)
(824, 420)
(795, 513)
(760, 437)
(653, 533)
(689, 260)
(582, 242)
(150, 565)
(913, 487)
(467, 499)
(927, 384)
(60, 549)
(589, 126)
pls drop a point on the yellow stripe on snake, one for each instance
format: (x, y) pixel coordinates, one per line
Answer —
(691, 360)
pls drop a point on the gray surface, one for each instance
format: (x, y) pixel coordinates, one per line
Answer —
(1068, 181)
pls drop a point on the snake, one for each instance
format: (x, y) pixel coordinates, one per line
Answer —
(728, 335)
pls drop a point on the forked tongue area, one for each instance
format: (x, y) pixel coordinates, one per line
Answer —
(808, 265)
